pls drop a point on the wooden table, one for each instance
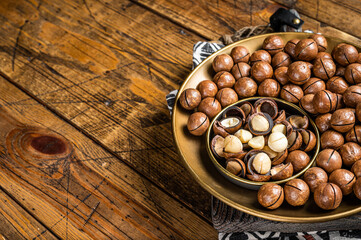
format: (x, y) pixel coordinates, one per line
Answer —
(86, 143)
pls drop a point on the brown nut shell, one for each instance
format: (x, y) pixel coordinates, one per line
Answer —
(357, 188)
(281, 59)
(294, 141)
(280, 158)
(210, 106)
(352, 96)
(358, 111)
(260, 55)
(337, 84)
(234, 111)
(266, 105)
(281, 171)
(298, 122)
(298, 72)
(356, 168)
(269, 88)
(246, 87)
(328, 196)
(332, 139)
(207, 88)
(324, 68)
(222, 62)
(261, 71)
(257, 123)
(247, 108)
(240, 54)
(321, 42)
(324, 101)
(323, 122)
(198, 123)
(297, 192)
(343, 120)
(270, 195)
(227, 96)
(291, 93)
(190, 99)
(299, 160)
(313, 85)
(340, 71)
(309, 140)
(343, 178)
(236, 167)
(231, 124)
(354, 135)
(329, 160)
(290, 47)
(345, 54)
(281, 75)
(218, 129)
(353, 73)
(240, 70)
(306, 50)
(314, 176)
(273, 44)
(281, 116)
(258, 177)
(224, 79)
(217, 146)
(350, 153)
(323, 55)
(306, 103)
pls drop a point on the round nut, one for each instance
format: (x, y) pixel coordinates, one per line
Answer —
(323, 122)
(273, 44)
(261, 70)
(356, 168)
(298, 72)
(281, 171)
(354, 135)
(290, 47)
(337, 85)
(281, 59)
(321, 42)
(328, 196)
(281, 75)
(340, 71)
(260, 55)
(352, 96)
(227, 96)
(344, 179)
(269, 88)
(306, 50)
(224, 79)
(207, 88)
(345, 54)
(240, 54)
(240, 70)
(324, 68)
(291, 93)
(299, 160)
(297, 192)
(190, 99)
(350, 152)
(357, 188)
(331, 139)
(222, 62)
(197, 123)
(353, 73)
(306, 103)
(260, 123)
(246, 87)
(270, 195)
(329, 160)
(277, 141)
(343, 120)
(324, 101)
(314, 177)
(261, 163)
(358, 111)
(210, 106)
(313, 85)
(323, 55)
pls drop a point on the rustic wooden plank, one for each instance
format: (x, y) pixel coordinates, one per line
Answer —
(16, 223)
(109, 81)
(83, 193)
(342, 15)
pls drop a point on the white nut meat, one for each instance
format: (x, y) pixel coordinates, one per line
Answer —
(257, 142)
(260, 123)
(232, 144)
(277, 141)
(280, 128)
(243, 135)
(270, 152)
(261, 163)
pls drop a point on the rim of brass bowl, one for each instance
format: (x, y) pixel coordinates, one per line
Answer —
(254, 184)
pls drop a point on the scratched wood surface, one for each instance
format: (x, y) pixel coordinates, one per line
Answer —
(94, 74)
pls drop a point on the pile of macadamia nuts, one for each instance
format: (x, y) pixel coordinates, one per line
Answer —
(300, 71)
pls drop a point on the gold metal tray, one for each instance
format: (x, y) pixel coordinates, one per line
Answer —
(192, 150)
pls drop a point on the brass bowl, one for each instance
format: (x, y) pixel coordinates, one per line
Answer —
(193, 153)
(291, 109)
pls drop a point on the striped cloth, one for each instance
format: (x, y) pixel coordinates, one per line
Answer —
(236, 225)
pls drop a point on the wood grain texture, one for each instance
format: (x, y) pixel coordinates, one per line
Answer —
(82, 192)
(342, 15)
(67, 60)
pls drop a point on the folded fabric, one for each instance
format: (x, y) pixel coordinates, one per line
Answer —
(233, 224)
